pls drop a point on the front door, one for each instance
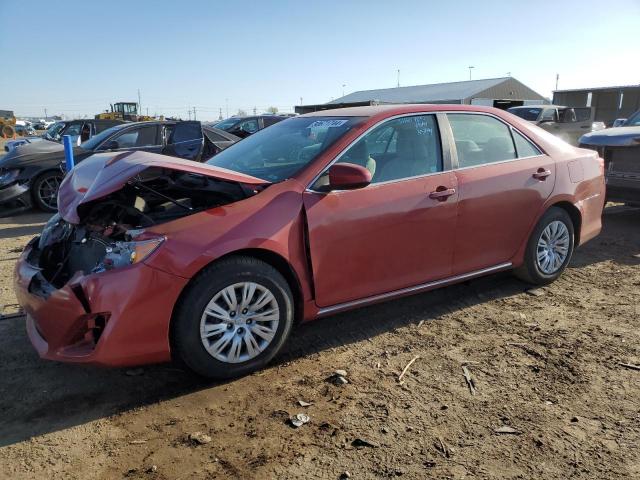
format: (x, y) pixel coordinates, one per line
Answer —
(395, 233)
(503, 181)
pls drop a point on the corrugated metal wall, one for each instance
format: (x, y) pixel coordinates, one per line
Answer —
(607, 102)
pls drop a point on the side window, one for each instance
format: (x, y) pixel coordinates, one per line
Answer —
(480, 139)
(549, 115)
(524, 147)
(185, 132)
(400, 148)
(379, 144)
(582, 114)
(139, 137)
(73, 130)
(249, 126)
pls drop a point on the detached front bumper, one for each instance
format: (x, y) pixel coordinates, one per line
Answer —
(116, 318)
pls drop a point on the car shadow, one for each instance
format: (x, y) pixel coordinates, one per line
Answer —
(30, 223)
(618, 241)
(39, 397)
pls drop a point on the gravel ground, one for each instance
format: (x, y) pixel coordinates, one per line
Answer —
(551, 398)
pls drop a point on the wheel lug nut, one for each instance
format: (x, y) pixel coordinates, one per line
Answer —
(233, 314)
(244, 311)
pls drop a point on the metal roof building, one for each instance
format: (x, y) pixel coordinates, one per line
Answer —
(502, 92)
(609, 103)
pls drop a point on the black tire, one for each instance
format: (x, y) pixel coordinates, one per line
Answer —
(186, 342)
(38, 189)
(531, 271)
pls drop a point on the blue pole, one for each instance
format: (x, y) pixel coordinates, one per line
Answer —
(68, 152)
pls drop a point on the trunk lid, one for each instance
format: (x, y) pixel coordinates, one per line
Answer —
(104, 173)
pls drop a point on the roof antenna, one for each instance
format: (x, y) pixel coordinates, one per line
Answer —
(398, 86)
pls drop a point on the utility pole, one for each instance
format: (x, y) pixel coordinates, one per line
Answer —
(398, 83)
(300, 100)
(189, 113)
(139, 103)
(255, 110)
(194, 113)
(557, 78)
(45, 113)
(343, 85)
(470, 67)
(220, 117)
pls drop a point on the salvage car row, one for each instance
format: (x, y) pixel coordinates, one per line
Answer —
(154, 257)
(31, 171)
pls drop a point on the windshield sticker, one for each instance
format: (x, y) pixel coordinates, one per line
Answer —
(327, 123)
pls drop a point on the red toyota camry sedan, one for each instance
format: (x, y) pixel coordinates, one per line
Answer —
(152, 257)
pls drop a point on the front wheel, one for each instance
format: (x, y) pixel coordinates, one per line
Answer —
(234, 318)
(549, 248)
(44, 191)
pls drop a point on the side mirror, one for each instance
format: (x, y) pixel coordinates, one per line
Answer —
(348, 176)
(546, 120)
(111, 145)
(619, 122)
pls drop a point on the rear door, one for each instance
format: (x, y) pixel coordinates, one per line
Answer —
(393, 234)
(503, 181)
(184, 140)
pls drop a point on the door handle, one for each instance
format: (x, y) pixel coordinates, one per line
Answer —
(442, 193)
(542, 174)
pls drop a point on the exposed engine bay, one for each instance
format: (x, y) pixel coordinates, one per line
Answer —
(111, 230)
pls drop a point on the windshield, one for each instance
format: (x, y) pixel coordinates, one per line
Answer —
(634, 120)
(53, 132)
(96, 140)
(529, 114)
(228, 124)
(278, 152)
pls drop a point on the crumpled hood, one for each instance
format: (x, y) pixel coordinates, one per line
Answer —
(104, 173)
(613, 137)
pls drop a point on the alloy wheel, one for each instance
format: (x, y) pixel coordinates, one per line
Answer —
(48, 191)
(239, 322)
(553, 247)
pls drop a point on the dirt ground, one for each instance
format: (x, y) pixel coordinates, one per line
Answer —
(552, 400)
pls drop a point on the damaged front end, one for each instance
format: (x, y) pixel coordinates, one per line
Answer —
(86, 272)
(112, 231)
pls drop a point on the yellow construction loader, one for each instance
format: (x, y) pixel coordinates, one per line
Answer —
(7, 122)
(123, 111)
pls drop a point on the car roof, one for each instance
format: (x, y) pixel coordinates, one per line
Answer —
(538, 106)
(398, 109)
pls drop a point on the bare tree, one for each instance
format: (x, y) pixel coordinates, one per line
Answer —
(273, 110)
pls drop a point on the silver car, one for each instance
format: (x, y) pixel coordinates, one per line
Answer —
(568, 123)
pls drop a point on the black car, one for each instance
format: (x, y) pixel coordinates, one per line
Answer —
(620, 148)
(244, 126)
(31, 174)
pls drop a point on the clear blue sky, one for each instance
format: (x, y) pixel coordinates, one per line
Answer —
(75, 57)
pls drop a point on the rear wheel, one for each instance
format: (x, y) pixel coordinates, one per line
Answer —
(44, 191)
(549, 248)
(234, 318)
